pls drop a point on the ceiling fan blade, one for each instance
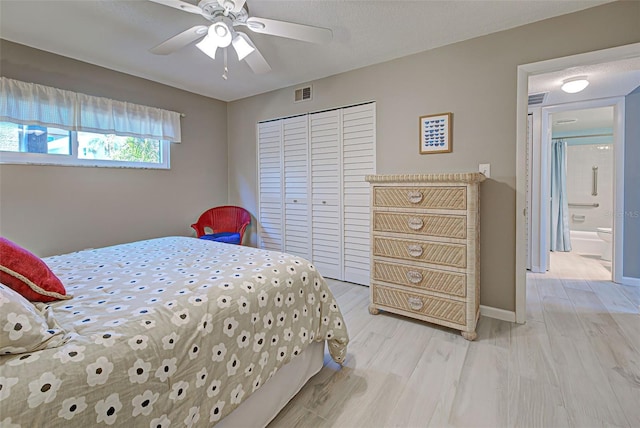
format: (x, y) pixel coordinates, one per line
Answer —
(187, 7)
(180, 40)
(290, 30)
(255, 60)
(234, 6)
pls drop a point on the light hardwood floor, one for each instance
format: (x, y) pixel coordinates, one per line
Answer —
(576, 362)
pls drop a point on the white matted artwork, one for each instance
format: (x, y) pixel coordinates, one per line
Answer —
(436, 133)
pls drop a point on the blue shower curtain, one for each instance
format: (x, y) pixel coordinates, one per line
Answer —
(560, 240)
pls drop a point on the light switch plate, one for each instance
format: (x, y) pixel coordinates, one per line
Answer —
(485, 168)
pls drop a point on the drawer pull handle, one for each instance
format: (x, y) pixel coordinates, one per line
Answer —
(295, 200)
(415, 223)
(414, 250)
(414, 276)
(414, 196)
(415, 303)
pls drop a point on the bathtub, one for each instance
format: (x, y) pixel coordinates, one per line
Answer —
(586, 242)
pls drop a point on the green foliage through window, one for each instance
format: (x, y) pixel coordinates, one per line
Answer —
(38, 144)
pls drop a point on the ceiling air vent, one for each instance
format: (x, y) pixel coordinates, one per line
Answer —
(535, 99)
(303, 94)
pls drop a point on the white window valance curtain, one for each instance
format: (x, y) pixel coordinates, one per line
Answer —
(34, 104)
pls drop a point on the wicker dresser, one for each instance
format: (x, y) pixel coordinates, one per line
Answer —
(425, 248)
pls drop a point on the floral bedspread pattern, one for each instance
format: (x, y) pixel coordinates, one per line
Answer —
(171, 331)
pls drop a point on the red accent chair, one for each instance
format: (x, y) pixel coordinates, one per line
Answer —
(227, 224)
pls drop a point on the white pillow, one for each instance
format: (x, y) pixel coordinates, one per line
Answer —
(24, 327)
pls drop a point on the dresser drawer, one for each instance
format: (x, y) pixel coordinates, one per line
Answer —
(450, 198)
(452, 283)
(443, 309)
(438, 253)
(449, 226)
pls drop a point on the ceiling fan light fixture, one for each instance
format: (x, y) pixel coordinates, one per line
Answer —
(575, 84)
(242, 46)
(221, 32)
(208, 46)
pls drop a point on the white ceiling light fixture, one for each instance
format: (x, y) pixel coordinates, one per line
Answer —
(221, 31)
(242, 46)
(219, 35)
(575, 84)
(208, 46)
(225, 16)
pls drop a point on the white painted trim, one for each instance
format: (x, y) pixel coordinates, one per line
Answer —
(543, 198)
(627, 280)
(524, 71)
(522, 111)
(619, 142)
(496, 313)
(537, 257)
(537, 269)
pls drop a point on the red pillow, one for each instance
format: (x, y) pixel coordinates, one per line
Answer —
(27, 274)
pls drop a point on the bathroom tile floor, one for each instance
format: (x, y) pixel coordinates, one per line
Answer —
(573, 264)
(574, 363)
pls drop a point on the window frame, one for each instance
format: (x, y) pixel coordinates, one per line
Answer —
(72, 159)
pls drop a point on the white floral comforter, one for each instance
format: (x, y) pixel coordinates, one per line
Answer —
(171, 331)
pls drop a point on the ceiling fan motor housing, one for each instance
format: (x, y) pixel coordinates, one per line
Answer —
(224, 15)
(214, 8)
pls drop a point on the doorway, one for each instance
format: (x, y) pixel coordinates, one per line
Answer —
(573, 204)
(584, 138)
(523, 207)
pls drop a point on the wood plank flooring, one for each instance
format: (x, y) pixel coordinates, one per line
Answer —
(575, 363)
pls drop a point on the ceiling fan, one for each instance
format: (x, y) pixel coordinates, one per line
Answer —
(225, 15)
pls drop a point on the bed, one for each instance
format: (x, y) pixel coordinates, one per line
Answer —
(172, 331)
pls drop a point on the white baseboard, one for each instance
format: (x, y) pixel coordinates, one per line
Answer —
(499, 314)
(627, 280)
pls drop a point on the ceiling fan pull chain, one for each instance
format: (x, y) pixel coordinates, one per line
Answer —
(226, 70)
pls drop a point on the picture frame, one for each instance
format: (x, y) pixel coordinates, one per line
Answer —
(436, 133)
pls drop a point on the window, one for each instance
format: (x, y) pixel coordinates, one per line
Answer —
(34, 139)
(44, 125)
(33, 144)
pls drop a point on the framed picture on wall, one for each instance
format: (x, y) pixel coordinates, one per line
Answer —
(436, 133)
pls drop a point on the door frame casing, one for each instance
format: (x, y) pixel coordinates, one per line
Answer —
(523, 73)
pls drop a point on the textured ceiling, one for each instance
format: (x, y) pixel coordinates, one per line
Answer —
(584, 119)
(118, 35)
(609, 79)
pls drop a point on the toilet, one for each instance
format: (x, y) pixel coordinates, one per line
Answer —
(606, 235)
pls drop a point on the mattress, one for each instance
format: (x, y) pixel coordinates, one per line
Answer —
(170, 331)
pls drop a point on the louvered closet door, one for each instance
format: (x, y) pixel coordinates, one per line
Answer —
(270, 176)
(295, 132)
(326, 189)
(358, 157)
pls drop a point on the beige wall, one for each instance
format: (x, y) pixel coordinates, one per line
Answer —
(51, 209)
(476, 80)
